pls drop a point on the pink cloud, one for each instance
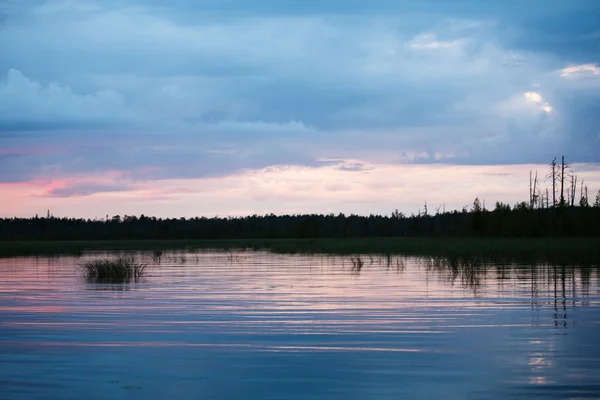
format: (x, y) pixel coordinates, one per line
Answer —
(346, 186)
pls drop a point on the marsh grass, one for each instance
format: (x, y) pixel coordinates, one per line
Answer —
(157, 255)
(123, 269)
(471, 271)
(357, 262)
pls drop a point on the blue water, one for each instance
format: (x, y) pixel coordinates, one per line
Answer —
(253, 325)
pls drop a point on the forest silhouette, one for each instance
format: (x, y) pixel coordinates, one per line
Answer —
(549, 213)
(502, 221)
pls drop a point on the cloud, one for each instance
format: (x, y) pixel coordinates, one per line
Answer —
(582, 70)
(429, 41)
(25, 104)
(330, 187)
(204, 89)
(85, 189)
(537, 100)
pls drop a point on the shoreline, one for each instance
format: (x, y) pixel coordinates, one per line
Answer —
(579, 248)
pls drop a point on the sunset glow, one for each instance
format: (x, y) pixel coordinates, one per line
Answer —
(128, 107)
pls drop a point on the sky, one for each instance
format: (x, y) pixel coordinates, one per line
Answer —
(235, 107)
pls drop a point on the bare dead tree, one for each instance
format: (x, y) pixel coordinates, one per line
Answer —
(583, 201)
(536, 193)
(573, 188)
(544, 200)
(562, 181)
(530, 190)
(552, 175)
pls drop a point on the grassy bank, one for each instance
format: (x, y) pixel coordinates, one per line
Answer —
(576, 249)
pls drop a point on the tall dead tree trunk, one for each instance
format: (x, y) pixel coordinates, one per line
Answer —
(536, 195)
(533, 191)
(562, 182)
(553, 177)
(530, 190)
(583, 202)
(573, 188)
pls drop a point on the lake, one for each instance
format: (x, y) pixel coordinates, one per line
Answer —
(256, 325)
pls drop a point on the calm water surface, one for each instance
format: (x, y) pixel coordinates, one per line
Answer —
(253, 325)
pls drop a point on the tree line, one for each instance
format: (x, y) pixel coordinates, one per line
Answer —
(552, 212)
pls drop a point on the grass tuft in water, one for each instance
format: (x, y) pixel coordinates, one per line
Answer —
(357, 262)
(157, 255)
(123, 269)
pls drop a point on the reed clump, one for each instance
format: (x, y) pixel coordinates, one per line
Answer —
(123, 269)
(357, 262)
(157, 255)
